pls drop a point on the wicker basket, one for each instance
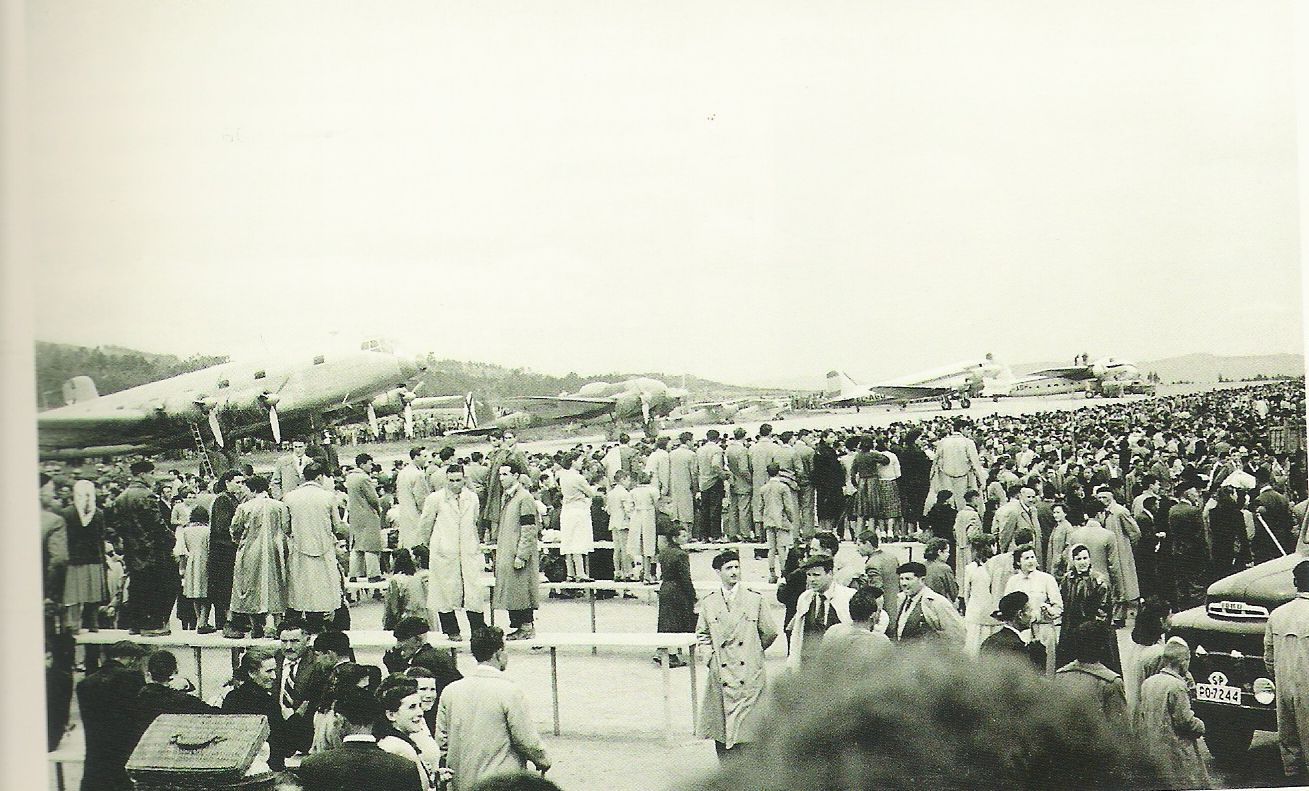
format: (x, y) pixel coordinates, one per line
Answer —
(192, 751)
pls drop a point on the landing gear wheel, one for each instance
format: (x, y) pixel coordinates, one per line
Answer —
(946, 404)
(965, 402)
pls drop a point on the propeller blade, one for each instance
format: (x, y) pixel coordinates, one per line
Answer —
(276, 426)
(470, 412)
(215, 427)
(409, 421)
(372, 419)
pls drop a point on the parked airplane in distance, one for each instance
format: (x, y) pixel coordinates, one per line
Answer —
(637, 400)
(959, 382)
(233, 399)
(708, 413)
(1106, 376)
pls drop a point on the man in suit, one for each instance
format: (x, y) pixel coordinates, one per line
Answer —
(364, 510)
(1020, 513)
(105, 698)
(483, 727)
(288, 473)
(358, 763)
(412, 650)
(709, 478)
(682, 483)
(956, 467)
(822, 604)
(1015, 617)
(924, 613)
(738, 523)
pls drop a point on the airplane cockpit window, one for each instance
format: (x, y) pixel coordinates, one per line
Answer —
(319, 360)
(223, 383)
(260, 374)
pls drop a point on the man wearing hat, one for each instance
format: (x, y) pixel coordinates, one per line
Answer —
(1015, 618)
(412, 650)
(737, 627)
(141, 519)
(924, 613)
(1286, 657)
(822, 604)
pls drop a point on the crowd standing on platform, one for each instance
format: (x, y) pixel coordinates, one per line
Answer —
(1045, 533)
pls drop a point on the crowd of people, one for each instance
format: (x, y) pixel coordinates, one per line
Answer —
(1044, 533)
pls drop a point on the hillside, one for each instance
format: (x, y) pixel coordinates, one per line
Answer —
(491, 382)
(112, 367)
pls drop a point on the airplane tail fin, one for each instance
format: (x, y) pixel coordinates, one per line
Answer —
(470, 412)
(79, 389)
(838, 384)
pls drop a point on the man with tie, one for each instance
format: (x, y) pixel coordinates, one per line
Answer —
(300, 677)
(924, 613)
(822, 604)
(736, 626)
(1017, 514)
(290, 468)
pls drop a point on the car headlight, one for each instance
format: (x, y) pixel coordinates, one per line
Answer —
(1264, 691)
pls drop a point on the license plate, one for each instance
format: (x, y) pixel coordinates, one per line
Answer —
(1214, 693)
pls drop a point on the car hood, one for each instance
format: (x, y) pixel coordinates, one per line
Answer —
(1268, 584)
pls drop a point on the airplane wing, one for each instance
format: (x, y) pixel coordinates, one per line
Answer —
(568, 399)
(1076, 373)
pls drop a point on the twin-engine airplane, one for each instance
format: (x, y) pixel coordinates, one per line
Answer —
(637, 400)
(234, 399)
(960, 382)
(1106, 376)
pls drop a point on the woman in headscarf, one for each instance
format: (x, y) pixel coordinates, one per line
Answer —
(84, 582)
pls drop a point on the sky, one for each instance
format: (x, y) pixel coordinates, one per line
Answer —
(750, 192)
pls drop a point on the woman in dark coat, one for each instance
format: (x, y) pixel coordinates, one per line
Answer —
(828, 479)
(915, 477)
(1086, 598)
(676, 593)
(222, 552)
(85, 582)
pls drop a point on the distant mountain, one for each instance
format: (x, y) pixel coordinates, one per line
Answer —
(1208, 367)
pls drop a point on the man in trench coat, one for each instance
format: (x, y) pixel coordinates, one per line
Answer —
(364, 511)
(736, 625)
(450, 520)
(1286, 657)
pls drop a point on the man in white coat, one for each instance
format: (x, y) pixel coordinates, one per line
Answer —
(737, 628)
(449, 519)
(483, 727)
(956, 467)
(411, 490)
(314, 577)
(822, 604)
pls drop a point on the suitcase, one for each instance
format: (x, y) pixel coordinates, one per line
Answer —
(193, 751)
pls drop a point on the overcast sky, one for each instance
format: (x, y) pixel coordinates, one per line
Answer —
(718, 188)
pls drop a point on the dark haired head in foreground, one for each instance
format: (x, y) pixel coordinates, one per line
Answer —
(932, 719)
(515, 781)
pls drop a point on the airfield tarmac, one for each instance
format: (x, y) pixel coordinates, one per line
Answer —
(610, 703)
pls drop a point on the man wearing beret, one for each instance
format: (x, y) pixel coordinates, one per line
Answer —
(735, 624)
(821, 605)
(924, 613)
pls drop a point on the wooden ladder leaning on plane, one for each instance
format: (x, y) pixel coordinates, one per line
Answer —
(206, 466)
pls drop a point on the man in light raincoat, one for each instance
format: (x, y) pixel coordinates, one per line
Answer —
(450, 519)
(736, 625)
(1286, 655)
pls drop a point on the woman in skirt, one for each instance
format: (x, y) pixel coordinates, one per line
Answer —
(863, 474)
(885, 508)
(84, 582)
(676, 592)
(575, 532)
